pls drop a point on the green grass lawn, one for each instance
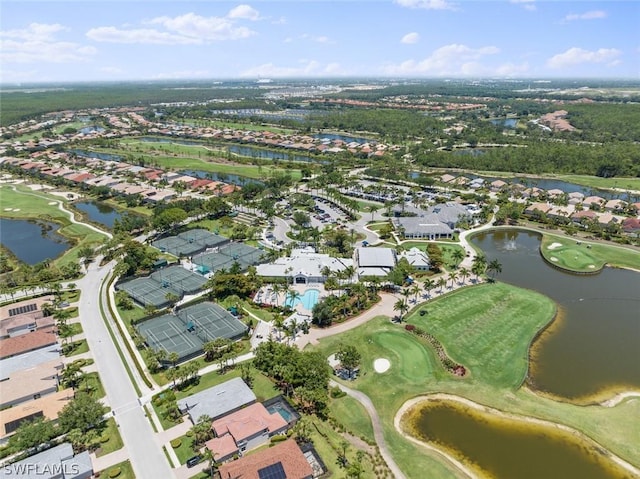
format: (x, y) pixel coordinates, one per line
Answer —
(447, 251)
(185, 451)
(583, 256)
(115, 440)
(488, 329)
(185, 162)
(78, 347)
(70, 296)
(353, 416)
(126, 471)
(597, 182)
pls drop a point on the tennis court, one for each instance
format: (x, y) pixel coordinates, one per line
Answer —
(179, 278)
(178, 246)
(170, 334)
(224, 258)
(148, 292)
(213, 261)
(187, 331)
(210, 321)
(203, 237)
(153, 290)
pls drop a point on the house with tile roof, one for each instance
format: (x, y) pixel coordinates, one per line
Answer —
(284, 460)
(249, 427)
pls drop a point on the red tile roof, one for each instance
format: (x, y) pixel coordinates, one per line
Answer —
(27, 342)
(248, 422)
(222, 447)
(287, 453)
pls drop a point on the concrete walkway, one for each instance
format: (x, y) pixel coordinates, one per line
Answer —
(378, 433)
(104, 462)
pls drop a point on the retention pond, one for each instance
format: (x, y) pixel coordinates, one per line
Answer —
(32, 241)
(591, 349)
(497, 446)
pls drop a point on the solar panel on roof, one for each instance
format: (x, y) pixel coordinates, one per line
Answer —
(274, 471)
(23, 309)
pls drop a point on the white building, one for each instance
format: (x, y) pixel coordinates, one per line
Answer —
(304, 266)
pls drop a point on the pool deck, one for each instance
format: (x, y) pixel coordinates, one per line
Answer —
(266, 295)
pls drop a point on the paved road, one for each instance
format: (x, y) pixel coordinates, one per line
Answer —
(147, 460)
(377, 427)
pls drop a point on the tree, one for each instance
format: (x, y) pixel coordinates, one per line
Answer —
(402, 307)
(83, 412)
(349, 357)
(174, 357)
(169, 218)
(441, 283)
(428, 286)
(494, 267)
(464, 274)
(31, 434)
(322, 313)
(457, 255)
(210, 458)
(202, 431)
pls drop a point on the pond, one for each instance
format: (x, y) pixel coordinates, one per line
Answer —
(506, 447)
(95, 154)
(224, 177)
(32, 241)
(99, 212)
(592, 346)
(90, 129)
(345, 138)
(505, 122)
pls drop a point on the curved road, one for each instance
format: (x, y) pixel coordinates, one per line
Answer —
(377, 427)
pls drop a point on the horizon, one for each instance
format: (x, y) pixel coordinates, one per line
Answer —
(79, 42)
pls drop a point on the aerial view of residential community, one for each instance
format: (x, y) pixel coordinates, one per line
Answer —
(320, 239)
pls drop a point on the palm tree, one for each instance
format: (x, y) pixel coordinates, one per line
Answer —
(415, 289)
(453, 276)
(402, 307)
(457, 255)
(464, 274)
(479, 265)
(292, 296)
(428, 285)
(495, 267)
(442, 283)
(210, 457)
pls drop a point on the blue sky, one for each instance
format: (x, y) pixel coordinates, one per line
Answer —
(144, 40)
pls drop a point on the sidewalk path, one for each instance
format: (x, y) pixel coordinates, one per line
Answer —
(378, 433)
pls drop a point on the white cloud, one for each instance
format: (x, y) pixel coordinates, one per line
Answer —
(426, 4)
(139, 35)
(203, 28)
(307, 68)
(454, 59)
(410, 38)
(187, 29)
(244, 11)
(318, 39)
(39, 43)
(17, 76)
(575, 56)
(526, 4)
(279, 21)
(590, 15)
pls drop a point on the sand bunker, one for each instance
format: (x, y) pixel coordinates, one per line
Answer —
(381, 365)
(592, 266)
(553, 258)
(554, 245)
(16, 209)
(8, 209)
(333, 362)
(51, 203)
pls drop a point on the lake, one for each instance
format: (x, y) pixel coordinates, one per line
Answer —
(99, 212)
(32, 241)
(95, 154)
(592, 346)
(507, 448)
(224, 177)
(347, 139)
(505, 122)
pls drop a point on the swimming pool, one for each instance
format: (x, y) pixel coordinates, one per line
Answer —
(278, 408)
(308, 299)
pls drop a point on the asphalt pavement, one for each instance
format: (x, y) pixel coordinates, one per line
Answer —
(147, 460)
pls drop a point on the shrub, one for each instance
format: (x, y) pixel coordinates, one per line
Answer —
(409, 327)
(115, 472)
(278, 438)
(176, 443)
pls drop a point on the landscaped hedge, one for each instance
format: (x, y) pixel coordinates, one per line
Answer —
(176, 443)
(115, 472)
(447, 362)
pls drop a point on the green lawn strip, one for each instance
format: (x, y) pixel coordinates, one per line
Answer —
(580, 256)
(121, 205)
(126, 471)
(609, 426)
(603, 183)
(328, 443)
(79, 347)
(115, 342)
(249, 171)
(185, 450)
(71, 296)
(129, 315)
(92, 381)
(353, 416)
(74, 330)
(114, 441)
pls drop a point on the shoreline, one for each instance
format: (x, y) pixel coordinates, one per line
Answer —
(409, 404)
